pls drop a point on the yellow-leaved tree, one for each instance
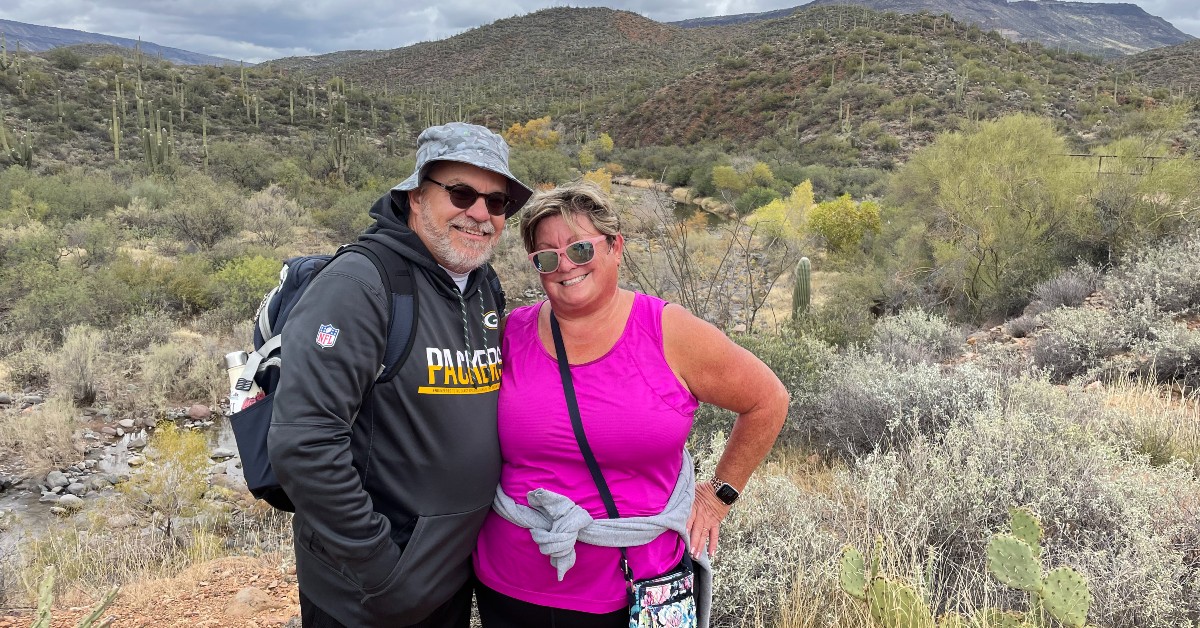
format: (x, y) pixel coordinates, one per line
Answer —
(536, 133)
(786, 217)
(843, 223)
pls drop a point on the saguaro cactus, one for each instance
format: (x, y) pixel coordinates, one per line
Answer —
(802, 291)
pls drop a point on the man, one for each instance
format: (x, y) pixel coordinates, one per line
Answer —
(391, 483)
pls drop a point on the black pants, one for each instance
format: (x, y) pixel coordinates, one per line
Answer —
(497, 610)
(454, 613)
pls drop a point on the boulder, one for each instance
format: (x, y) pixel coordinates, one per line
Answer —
(71, 502)
(222, 453)
(56, 479)
(199, 412)
(75, 488)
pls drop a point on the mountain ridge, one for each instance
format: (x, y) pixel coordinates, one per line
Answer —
(38, 38)
(1106, 29)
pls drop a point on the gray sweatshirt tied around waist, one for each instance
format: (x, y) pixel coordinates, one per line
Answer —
(556, 522)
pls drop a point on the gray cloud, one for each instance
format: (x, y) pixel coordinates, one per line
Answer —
(257, 30)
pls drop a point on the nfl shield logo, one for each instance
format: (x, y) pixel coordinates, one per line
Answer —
(327, 335)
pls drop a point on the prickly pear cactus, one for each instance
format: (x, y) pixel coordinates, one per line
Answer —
(994, 618)
(853, 575)
(895, 605)
(1012, 561)
(1065, 594)
(1027, 527)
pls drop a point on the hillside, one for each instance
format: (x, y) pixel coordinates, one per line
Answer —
(835, 70)
(35, 38)
(840, 86)
(1095, 28)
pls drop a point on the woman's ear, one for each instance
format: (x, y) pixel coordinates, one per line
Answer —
(618, 247)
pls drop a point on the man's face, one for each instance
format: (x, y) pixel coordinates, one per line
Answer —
(460, 239)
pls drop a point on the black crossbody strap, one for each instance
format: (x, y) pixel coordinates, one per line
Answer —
(564, 370)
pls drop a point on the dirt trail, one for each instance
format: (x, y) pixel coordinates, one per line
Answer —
(235, 592)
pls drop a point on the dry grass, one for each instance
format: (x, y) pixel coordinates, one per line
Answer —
(42, 435)
(1162, 425)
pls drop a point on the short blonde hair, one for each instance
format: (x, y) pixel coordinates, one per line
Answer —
(581, 198)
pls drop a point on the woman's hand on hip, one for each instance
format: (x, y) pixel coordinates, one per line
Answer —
(704, 524)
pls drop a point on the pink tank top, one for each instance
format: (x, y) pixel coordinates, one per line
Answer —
(637, 417)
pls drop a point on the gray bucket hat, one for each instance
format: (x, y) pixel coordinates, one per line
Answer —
(468, 144)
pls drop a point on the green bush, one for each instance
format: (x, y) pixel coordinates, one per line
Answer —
(347, 216)
(754, 198)
(240, 285)
(203, 212)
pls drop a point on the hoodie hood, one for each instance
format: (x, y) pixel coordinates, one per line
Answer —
(391, 213)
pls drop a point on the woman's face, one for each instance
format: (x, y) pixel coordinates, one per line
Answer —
(574, 286)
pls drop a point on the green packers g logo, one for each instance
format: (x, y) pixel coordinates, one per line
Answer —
(491, 320)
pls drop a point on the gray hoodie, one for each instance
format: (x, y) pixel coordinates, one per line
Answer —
(391, 484)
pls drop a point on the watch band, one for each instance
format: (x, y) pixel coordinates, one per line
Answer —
(724, 491)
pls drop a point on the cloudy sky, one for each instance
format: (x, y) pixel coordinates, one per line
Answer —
(257, 30)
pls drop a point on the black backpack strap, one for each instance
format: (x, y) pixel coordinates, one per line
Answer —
(397, 277)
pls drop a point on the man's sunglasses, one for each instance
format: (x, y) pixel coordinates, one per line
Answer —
(464, 196)
(580, 253)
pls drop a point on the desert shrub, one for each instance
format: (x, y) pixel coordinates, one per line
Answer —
(141, 330)
(1022, 326)
(753, 198)
(1117, 520)
(96, 236)
(917, 336)
(1166, 275)
(57, 299)
(240, 285)
(1067, 289)
(28, 365)
(41, 437)
(182, 285)
(1154, 424)
(77, 368)
(1173, 357)
(538, 166)
(779, 534)
(347, 216)
(271, 216)
(865, 402)
(154, 191)
(75, 194)
(65, 58)
(838, 322)
(203, 212)
(186, 368)
(245, 164)
(1077, 341)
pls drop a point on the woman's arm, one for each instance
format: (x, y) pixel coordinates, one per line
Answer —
(717, 371)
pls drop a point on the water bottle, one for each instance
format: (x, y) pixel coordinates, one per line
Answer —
(242, 393)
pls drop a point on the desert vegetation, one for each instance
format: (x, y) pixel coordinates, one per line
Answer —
(973, 310)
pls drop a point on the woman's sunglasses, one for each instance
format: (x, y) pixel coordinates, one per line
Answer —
(464, 196)
(581, 252)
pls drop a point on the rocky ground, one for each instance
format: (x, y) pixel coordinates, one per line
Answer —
(236, 592)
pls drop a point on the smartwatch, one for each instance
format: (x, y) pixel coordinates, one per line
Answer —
(725, 491)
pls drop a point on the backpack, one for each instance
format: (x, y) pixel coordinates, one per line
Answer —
(251, 425)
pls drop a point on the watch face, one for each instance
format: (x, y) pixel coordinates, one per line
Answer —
(727, 494)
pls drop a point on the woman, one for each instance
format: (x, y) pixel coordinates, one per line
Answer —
(639, 368)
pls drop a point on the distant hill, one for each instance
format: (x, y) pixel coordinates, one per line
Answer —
(1094, 28)
(34, 38)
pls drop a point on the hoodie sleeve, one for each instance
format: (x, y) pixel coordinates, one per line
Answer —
(333, 344)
